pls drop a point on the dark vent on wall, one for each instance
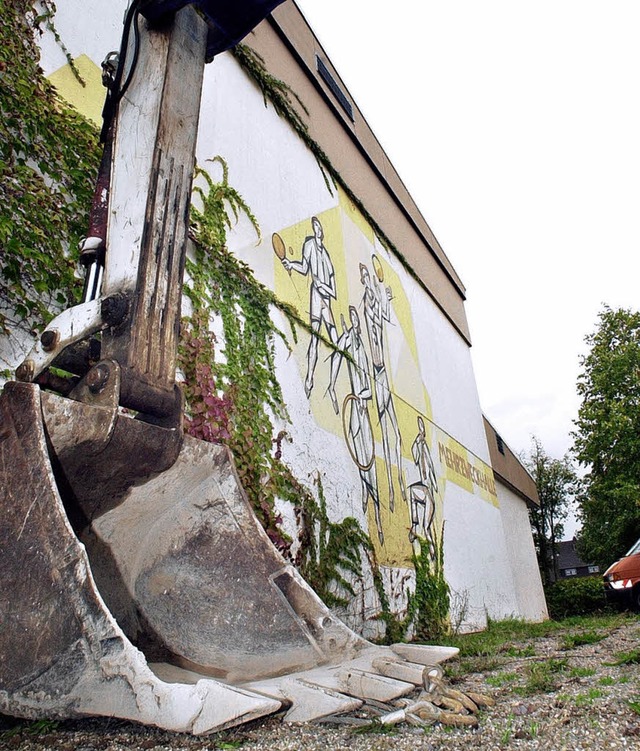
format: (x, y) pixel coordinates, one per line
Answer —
(337, 92)
(500, 443)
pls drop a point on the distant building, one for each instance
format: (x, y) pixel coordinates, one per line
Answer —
(569, 562)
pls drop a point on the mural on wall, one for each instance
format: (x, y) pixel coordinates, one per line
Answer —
(378, 403)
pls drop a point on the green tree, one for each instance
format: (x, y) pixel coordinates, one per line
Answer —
(557, 484)
(607, 437)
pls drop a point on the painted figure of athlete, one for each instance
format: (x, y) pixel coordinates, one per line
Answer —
(316, 263)
(422, 494)
(376, 312)
(360, 435)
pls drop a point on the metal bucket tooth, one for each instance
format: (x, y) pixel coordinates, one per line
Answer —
(424, 654)
(410, 672)
(358, 683)
(376, 674)
(306, 701)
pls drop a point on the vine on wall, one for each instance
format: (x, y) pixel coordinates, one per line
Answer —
(49, 156)
(329, 549)
(427, 616)
(428, 608)
(231, 397)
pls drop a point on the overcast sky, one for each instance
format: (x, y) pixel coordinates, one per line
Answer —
(516, 127)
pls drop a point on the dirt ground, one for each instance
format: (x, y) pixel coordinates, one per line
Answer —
(576, 688)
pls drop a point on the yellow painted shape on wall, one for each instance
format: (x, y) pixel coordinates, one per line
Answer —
(87, 99)
(487, 488)
(396, 524)
(465, 470)
(362, 246)
(454, 459)
(398, 548)
(293, 287)
(352, 211)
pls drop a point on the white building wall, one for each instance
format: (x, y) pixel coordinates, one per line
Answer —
(532, 605)
(283, 185)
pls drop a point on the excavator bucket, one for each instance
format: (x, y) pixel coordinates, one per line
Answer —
(174, 562)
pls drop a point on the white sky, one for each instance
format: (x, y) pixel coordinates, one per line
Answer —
(516, 127)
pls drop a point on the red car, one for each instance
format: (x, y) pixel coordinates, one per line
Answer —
(622, 579)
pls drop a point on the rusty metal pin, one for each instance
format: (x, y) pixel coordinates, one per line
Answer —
(49, 340)
(97, 378)
(25, 371)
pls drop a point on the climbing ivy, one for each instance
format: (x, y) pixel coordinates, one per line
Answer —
(329, 549)
(427, 616)
(428, 608)
(49, 156)
(232, 392)
(284, 100)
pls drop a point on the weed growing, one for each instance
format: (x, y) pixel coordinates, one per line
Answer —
(571, 641)
(626, 658)
(542, 677)
(585, 700)
(579, 672)
(501, 679)
(528, 651)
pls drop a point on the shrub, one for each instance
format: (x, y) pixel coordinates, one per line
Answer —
(575, 597)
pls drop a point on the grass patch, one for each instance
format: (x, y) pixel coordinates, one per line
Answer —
(585, 700)
(512, 651)
(582, 672)
(458, 669)
(542, 677)
(571, 641)
(626, 658)
(501, 679)
(28, 727)
(635, 706)
(533, 730)
(507, 635)
(375, 727)
(507, 733)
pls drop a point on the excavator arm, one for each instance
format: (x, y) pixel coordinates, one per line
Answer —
(135, 580)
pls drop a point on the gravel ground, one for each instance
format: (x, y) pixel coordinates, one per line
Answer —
(551, 693)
